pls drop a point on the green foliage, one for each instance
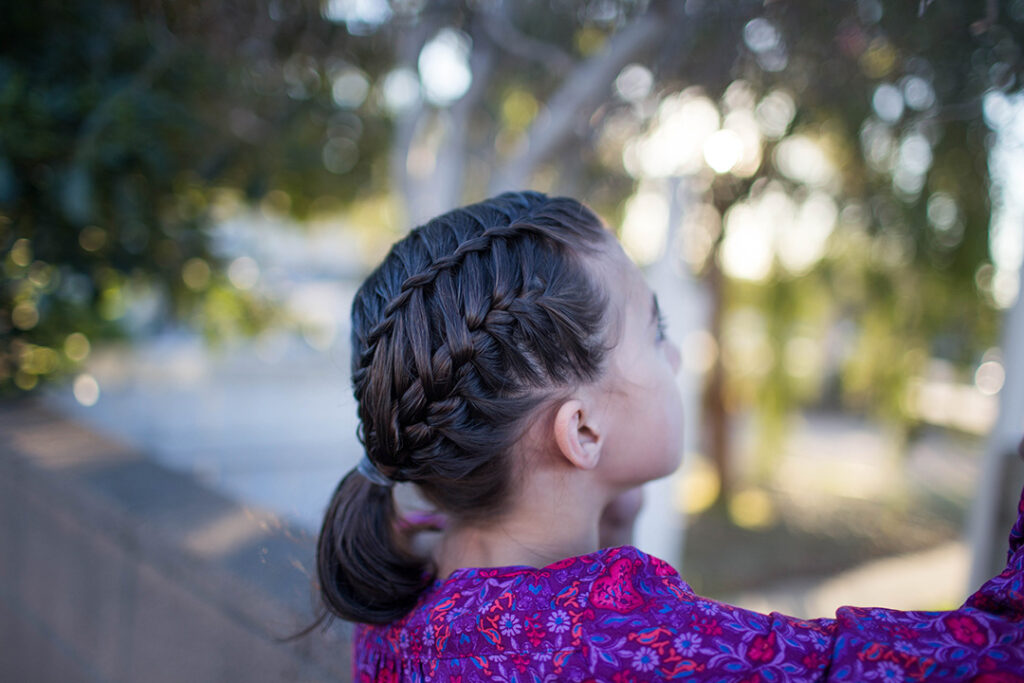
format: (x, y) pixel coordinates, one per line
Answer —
(902, 290)
(126, 125)
(123, 131)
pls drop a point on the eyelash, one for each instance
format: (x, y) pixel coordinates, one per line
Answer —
(661, 326)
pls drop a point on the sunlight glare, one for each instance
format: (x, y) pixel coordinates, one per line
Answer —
(675, 146)
(746, 250)
(888, 103)
(244, 272)
(401, 90)
(86, 390)
(645, 226)
(774, 113)
(634, 82)
(800, 158)
(723, 150)
(803, 243)
(349, 87)
(444, 67)
(360, 16)
(989, 377)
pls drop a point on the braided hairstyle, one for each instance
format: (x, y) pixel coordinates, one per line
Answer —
(469, 324)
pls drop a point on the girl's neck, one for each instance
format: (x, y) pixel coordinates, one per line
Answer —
(505, 546)
(545, 527)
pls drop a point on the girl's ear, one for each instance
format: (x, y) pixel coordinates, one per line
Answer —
(578, 438)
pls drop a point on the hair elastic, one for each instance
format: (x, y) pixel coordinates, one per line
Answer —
(374, 475)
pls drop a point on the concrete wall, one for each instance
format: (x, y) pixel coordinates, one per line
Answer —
(114, 568)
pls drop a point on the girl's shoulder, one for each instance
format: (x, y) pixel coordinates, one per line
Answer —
(620, 578)
(617, 609)
(482, 611)
(621, 560)
(613, 593)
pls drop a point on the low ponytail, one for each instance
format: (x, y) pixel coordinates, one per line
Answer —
(366, 572)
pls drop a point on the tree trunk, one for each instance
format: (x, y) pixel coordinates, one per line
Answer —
(717, 414)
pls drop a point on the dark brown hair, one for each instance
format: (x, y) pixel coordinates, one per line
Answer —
(470, 323)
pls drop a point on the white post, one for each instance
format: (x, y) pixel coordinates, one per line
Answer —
(1002, 472)
(993, 510)
(661, 526)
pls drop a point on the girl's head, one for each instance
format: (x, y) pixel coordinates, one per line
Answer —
(471, 327)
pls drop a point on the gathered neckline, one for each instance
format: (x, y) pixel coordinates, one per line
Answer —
(511, 570)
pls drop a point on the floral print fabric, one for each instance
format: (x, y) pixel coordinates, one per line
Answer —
(623, 616)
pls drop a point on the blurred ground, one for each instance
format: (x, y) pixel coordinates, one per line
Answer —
(848, 521)
(805, 542)
(272, 425)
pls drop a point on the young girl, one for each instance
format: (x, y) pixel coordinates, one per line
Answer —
(510, 361)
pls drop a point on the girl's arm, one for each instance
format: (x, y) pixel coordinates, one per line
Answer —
(644, 617)
(982, 641)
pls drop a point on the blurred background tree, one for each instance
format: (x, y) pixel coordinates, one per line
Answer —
(832, 165)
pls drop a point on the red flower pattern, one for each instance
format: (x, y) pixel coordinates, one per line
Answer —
(966, 630)
(762, 649)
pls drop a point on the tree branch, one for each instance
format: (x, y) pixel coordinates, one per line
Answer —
(410, 41)
(503, 33)
(988, 21)
(579, 93)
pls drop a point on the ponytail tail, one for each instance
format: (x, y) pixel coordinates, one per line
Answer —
(366, 571)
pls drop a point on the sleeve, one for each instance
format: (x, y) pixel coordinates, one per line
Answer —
(646, 622)
(983, 641)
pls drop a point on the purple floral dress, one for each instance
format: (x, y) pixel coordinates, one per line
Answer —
(621, 615)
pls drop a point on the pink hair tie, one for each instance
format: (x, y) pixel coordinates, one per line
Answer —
(422, 521)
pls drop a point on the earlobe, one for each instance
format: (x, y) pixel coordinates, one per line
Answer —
(577, 437)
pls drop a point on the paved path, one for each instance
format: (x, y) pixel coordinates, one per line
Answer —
(934, 579)
(274, 429)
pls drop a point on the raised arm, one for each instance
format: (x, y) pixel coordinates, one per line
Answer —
(983, 641)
